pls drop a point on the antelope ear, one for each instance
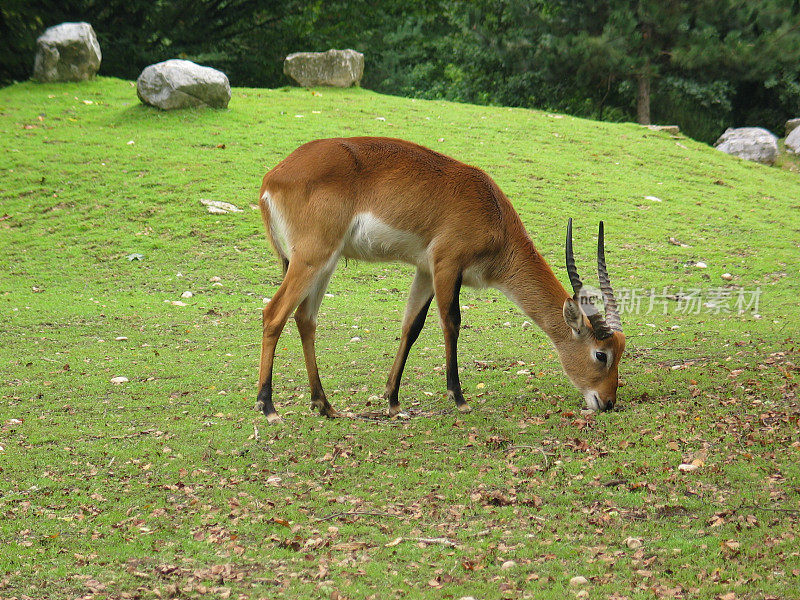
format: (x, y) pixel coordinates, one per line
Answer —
(574, 317)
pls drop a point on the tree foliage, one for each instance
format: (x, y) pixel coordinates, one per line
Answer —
(704, 64)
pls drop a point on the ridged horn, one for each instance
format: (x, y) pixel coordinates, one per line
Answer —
(612, 313)
(574, 279)
(599, 327)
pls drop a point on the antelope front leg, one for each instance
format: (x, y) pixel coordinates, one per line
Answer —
(447, 288)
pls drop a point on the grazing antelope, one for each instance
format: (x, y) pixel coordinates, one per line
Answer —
(384, 199)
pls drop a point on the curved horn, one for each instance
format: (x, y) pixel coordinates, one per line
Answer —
(576, 282)
(599, 327)
(612, 313)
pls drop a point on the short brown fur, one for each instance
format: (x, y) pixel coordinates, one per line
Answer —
(417, 199)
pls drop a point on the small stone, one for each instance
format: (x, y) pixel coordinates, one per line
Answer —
(355, 339)
(633, 543)
(675, 242)
(509, 564)
(582, 594)
(119, 380)
(215, 279)
(178, 303)
(187, 294)
(701, 265)
(218, 207)
(578, 580)
(686, 467)
(526, 325)
(121, 338)
(652, 198)
(671, 129)
(727, 276)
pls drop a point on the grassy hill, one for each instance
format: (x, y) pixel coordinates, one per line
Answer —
(171, 485)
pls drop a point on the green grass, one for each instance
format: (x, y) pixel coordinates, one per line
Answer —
(171, 485)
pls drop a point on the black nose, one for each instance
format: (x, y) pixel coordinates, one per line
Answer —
(609, 406)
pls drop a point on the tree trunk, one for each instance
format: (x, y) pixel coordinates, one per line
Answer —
(643, 98)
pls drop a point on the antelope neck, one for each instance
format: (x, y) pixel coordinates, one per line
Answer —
(531, 284)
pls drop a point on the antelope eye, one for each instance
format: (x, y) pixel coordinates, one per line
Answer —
(601, 356)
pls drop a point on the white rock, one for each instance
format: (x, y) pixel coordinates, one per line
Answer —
(219, 207)
(793, 141)
(727, 276)
(339, 68)
(119, 380)
(701, 265)
(750, 143)
(578, 580)
(67, 52)
(121, 338)
(526, 325)
(653, 198)
(355, 339)
(509, 564)
(633, 543)
(178, 303)
(187, 294)
(215, 279)
(686, 467)
(181, 83)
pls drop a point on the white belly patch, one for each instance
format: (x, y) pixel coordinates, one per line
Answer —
(369, 238)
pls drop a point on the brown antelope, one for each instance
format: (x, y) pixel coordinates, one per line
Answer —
(383, 199)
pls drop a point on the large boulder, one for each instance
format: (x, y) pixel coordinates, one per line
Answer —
(791, 125)
(67, 52)
(749, 143)
(181, 83)
(338, 68)
(793, 141)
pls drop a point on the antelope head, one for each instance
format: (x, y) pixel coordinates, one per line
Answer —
(591, 357)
